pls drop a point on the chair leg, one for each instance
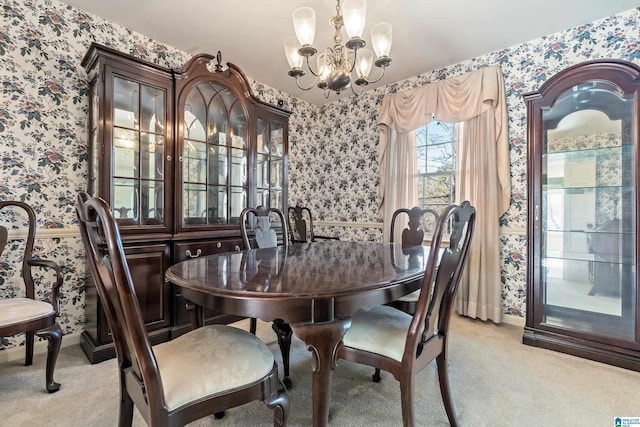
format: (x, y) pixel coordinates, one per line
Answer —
(196, 315)
(406, 397)
(53, 334)
(445, 390)
(125, 418)
(376, 376)
(283, 332)
(253, 325)
(28, 346)
(279, 402)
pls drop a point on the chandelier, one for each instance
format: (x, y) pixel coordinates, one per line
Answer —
(334, 67)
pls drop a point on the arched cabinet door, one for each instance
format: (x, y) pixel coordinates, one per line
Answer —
(582, 278)
(231, 149)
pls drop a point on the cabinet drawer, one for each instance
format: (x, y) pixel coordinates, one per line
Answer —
(193, 249)
(186, 250)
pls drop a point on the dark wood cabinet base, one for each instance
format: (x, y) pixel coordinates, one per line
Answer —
(592, 350)
(97, 353)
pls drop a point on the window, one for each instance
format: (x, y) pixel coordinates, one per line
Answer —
(436, 143)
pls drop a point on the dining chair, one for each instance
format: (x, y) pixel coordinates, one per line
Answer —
(203, 372)
(404, 344)
(418, 221)
(300, 222)
(258, 221)
(28, 314)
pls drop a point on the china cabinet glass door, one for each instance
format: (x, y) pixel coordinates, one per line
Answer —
(214, 158)
(582, 267)
(270, 164)
(589, 213)
(139, 126)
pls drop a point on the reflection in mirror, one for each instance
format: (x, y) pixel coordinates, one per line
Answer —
(238, 203)
(193, 127)
(588, 204)
(126, 103)
(276, 139)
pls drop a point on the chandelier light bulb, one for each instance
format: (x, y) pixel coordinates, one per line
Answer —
(381, 39)
(291, 47)
(304, 23)
(365, 61)
(354, 14)
(323, 67)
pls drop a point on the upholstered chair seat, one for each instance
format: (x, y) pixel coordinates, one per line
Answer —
(412, 298)
(22, 310)
(381, 330)
(209, 360)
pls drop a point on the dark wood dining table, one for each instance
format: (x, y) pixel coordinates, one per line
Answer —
(315, 287)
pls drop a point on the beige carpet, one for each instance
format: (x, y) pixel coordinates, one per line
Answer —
(495, 380)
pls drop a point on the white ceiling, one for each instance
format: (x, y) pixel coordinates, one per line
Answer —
(427, 34)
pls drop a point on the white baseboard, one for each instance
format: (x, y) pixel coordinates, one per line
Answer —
(513, 320)
(40, 347)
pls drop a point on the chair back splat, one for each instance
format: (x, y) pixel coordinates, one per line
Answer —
(179, 381)
(419, 221)
(259, 221)
(300, 223)
(408, 343)
(414, 233)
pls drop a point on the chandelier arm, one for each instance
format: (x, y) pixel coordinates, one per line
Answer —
(357, 93)
(355, 59)
(379, 78)
(311, 69)
(305, 88)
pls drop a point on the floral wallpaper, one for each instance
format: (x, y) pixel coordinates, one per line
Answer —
(43, 115)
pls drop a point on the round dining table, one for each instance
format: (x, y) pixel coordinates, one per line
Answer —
(315, 287)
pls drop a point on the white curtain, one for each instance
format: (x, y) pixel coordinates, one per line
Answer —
(478, 100)
(400, 171)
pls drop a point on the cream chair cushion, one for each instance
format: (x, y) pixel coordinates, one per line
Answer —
(21, 310)
(412, 297)
(209, 360)
(381, 330)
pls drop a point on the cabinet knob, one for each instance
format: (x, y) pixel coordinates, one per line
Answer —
(237, 248)
(169, 158)
(190, 255)
(219, 245)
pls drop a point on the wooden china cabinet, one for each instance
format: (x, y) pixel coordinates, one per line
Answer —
(177, 154)
(582, 278)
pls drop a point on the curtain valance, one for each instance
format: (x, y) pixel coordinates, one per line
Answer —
(456, 99)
